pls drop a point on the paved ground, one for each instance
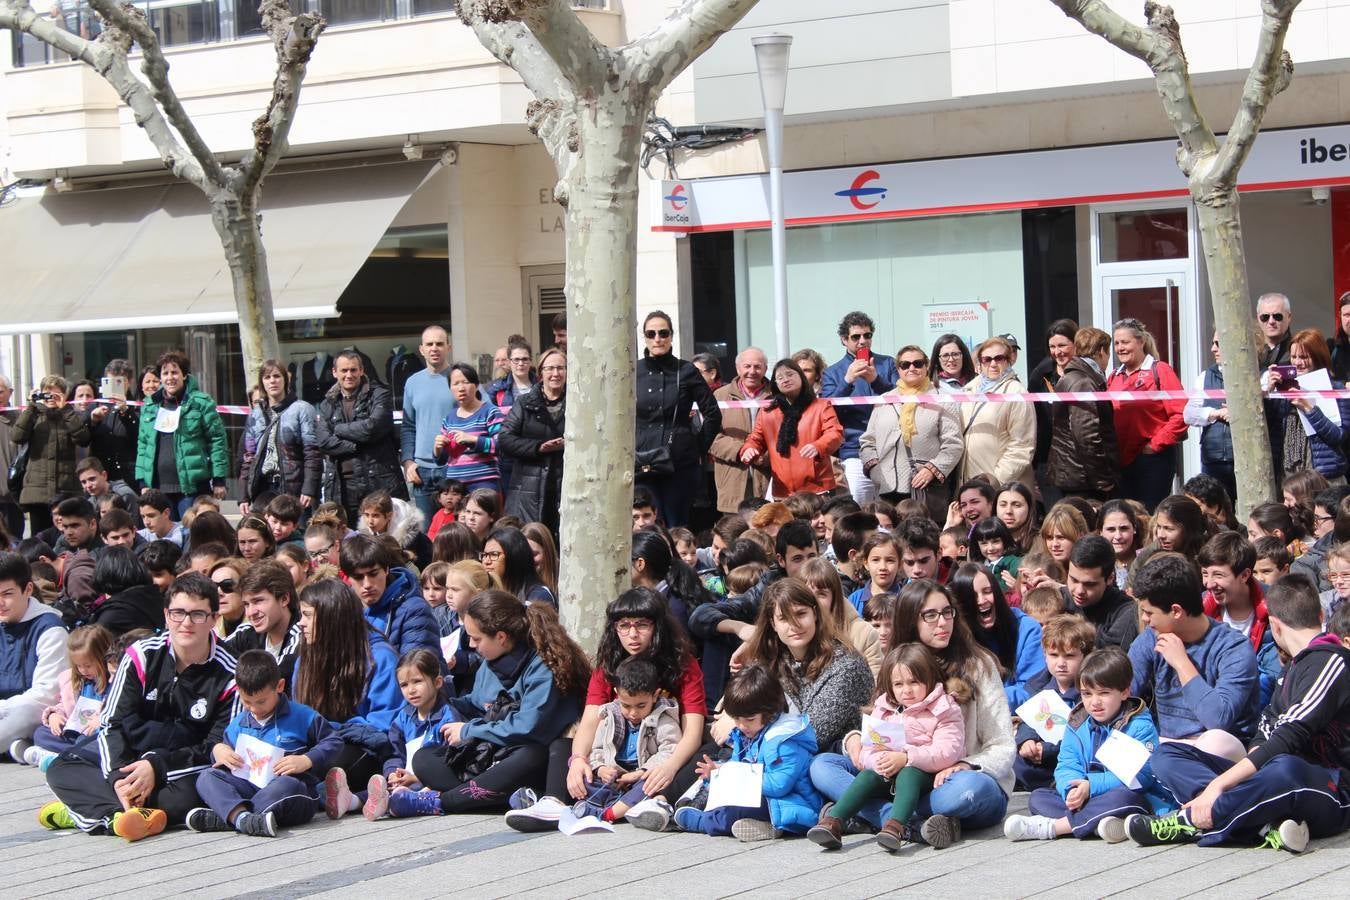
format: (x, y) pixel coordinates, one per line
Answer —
(414, 858)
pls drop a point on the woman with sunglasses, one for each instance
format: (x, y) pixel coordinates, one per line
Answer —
(797, 433)
(974, 792)
(910, 449)
(1147, 433)
(669, 452)
(1000, 437)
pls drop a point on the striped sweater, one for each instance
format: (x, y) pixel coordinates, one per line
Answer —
(476, 462)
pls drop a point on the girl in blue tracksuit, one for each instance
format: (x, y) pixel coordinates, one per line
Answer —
(1010, 634)
(783, 743)
(1088, 799)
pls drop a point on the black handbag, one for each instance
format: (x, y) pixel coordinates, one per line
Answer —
(17, 470)
(475, 756)
(660, 460)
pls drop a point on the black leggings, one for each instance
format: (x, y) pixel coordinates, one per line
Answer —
(560, 750)
(359, 764)
(524, 766)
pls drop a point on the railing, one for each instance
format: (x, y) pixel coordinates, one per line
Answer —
(179, 22)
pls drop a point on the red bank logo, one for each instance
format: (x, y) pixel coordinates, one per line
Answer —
(676, 198)
(859, 189)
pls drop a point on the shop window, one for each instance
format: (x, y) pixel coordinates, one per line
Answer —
(431, 7)
(1143, 234)
(712, 274)
(340, 12)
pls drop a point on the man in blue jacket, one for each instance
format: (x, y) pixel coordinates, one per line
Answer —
(858, 374)
(392, 597)
(1200, 675)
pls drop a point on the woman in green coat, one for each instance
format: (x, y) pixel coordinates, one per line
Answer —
(181, 450)
(52, 429)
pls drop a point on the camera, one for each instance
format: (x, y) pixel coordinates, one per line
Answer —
(40, 397)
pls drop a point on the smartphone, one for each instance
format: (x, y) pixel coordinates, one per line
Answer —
(864, 354)
(114, 388)
(1287, 375)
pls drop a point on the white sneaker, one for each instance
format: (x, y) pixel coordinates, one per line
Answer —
(17, 749)
(651, 814)
(542, 816)
(1029, 828)
(1293, 835)
(34, 756)
(1111, 829)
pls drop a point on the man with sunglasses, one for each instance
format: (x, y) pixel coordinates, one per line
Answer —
(858, 374)
(167, 707)
(1276, 317)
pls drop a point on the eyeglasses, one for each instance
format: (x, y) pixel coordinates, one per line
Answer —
(654, 333)
(520, 360)
(227, 586)
(861, 336)
(549, 370)
(955, 354)
(634, 626)
(904, 364)
(197, 616)
(946, 614)
(490, 555)
(320, 554)
(784, 375)
(1266, 317)
(1338, 576)
(1324, 518)
(999, 358)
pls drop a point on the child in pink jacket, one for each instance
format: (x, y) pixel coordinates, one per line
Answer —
(909, 693)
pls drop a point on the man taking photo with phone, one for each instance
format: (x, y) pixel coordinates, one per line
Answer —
(858, 374)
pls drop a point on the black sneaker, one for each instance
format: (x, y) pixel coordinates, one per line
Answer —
(698, 801)
(256, 824)
(1150, 831)
(202, 820)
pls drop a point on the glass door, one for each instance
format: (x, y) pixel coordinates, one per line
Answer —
(1154, 300)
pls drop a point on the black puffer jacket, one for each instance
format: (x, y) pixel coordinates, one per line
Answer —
(536, 478)
(368, 439)
(663, 408)
(113, 441)
(1084, 455)
(139, 606)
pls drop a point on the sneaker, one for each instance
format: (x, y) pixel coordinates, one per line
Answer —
(651, 814)
(46, 762)
(523, 798)
(377, 799)
(1290, 835)
(17, 749)
(1029, 828)
(404, 804)
(1111, 829)
(337, 797)
(698, 800)
(754, 830)
(203, 819)
(55, 816)
(940, 832)
(256, 824)
(687, 818)
(1150, 831)
(138, 822)
(859, 825)
(542, 816)
(38, 758)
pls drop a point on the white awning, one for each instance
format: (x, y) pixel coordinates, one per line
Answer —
(149, 257)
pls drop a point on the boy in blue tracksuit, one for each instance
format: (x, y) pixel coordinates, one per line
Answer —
(1200, 675)
(310, 745)
(1066, 640)
(783, 743)
(1088, 798)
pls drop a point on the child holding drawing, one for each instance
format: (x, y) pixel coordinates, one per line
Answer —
(75, 718)
(915, 730)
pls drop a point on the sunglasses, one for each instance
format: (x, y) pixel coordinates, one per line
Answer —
(227, 586)
(904, 364)
(1000, 358)
(1266, 317)
(654, 333)
(861, 336)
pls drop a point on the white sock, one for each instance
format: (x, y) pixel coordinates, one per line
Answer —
(353, 804)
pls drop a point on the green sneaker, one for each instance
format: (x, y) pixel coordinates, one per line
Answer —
(1288, 835)
(1150, 831)
(55, 816)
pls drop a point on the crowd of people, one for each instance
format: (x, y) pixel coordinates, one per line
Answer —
(900, 615)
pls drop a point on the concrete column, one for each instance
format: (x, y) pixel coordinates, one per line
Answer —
(485, 299)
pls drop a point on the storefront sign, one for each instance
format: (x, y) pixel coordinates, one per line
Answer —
(1288, 158)
(968, 320)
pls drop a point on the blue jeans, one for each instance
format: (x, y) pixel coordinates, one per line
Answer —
(973, 797)
(424, 494)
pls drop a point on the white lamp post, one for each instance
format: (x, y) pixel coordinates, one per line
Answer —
(771, 58)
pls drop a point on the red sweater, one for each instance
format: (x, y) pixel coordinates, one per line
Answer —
(1259, 623)
(1138, 425)
(440, 520)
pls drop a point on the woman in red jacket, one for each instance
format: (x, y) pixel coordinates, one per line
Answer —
(1147, 432)
(798, 432)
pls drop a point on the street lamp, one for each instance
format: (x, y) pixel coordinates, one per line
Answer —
(771, 58)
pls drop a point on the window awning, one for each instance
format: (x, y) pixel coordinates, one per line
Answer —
(149, 257)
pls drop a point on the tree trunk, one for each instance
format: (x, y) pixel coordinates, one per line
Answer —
(1225, 261)
(596, 527)
(240, 228)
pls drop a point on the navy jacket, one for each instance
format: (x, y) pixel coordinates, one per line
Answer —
(854, 418)
(295, 728)
(403, 616)
(409, 727)
(1036, 684)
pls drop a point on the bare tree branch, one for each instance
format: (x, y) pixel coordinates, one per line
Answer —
(156, 69)
(294, 37)
(1270, 74)
(1158, 45)
(581, 60)
(659, 56)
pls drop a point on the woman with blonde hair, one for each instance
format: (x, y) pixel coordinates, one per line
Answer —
(1000, 437)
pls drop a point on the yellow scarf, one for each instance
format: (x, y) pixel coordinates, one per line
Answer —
(908, 427)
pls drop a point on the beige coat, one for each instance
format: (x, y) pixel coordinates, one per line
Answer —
(658, 735)
(1000, 437)
(863, 638)
(938, 441)
(729, 473)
